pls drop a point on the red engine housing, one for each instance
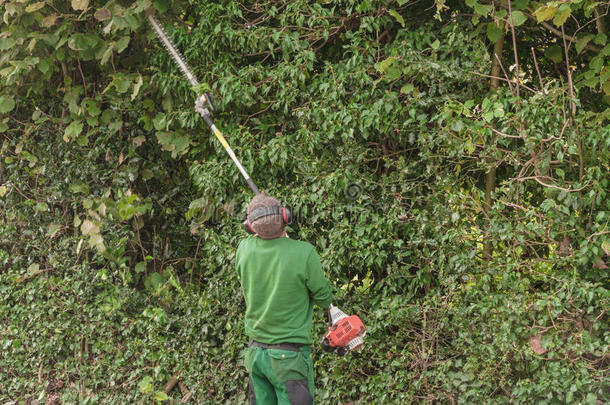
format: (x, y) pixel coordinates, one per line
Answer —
(344, 331)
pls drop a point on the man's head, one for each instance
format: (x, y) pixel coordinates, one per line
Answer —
(270, 226)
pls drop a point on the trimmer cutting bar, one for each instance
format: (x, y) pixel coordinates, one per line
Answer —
(173, 51)
(203, 104)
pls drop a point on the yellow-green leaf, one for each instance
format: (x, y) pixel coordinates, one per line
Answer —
(52, 230)
(561, 17)
(73, 130)
(606, 87)
(545, 13)
(6, 104)
(383, 66)
(80, 4)
(49, 20)
(136, 87)
(34, 6)
(398, 17)
(89, 228)
(407, 88)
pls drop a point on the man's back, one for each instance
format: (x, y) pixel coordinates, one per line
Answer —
(281, 280)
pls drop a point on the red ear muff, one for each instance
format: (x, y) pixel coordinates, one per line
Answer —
(248, 227)
(287, 215)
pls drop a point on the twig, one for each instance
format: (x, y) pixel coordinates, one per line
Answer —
(195, 258)
(538, 71)
(82, 77)
(512, 29)
(558, 33)
(171, 384)
(569, 73)
(506, 135)
(597, 234)
(257, 113)
(505, 75)
(567, 190)
(500, 78)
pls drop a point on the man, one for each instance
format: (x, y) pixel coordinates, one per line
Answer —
(281, 279)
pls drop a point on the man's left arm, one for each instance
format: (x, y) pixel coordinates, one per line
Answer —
(317, 283)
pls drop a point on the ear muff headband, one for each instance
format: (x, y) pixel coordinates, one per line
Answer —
(259, 213)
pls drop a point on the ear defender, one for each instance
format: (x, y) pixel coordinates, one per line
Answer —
(248, 227)
(284, 212)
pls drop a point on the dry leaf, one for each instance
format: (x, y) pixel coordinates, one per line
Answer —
(565, 248)
(536, 345)
(102, 14)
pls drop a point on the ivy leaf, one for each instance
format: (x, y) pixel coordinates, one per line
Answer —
(140, 267)
(6, 104)
(180, 143)
(52, 230)
(161, 5)
(81, 42)
(120, 83)
(398, 17)
(383, 66)
(73, 130)
(6, 43)
(161, 396)
(80, 4)
(79, 188)
(139, 140)
(41, 207)
(435, 45)
(407, 88)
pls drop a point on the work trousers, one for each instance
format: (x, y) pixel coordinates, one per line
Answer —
(279, 376)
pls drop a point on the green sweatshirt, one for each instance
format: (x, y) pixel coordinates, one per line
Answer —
(281, 280)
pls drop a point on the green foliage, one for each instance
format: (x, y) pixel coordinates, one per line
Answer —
(375, 122)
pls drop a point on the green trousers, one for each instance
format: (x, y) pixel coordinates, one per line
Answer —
(281, 377)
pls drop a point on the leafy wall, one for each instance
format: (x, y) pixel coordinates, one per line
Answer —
(448, 159)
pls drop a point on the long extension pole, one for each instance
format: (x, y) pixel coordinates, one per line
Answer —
(203, 105)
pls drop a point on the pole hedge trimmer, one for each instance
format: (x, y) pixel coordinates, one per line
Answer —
(346, 333)
(203, 104)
